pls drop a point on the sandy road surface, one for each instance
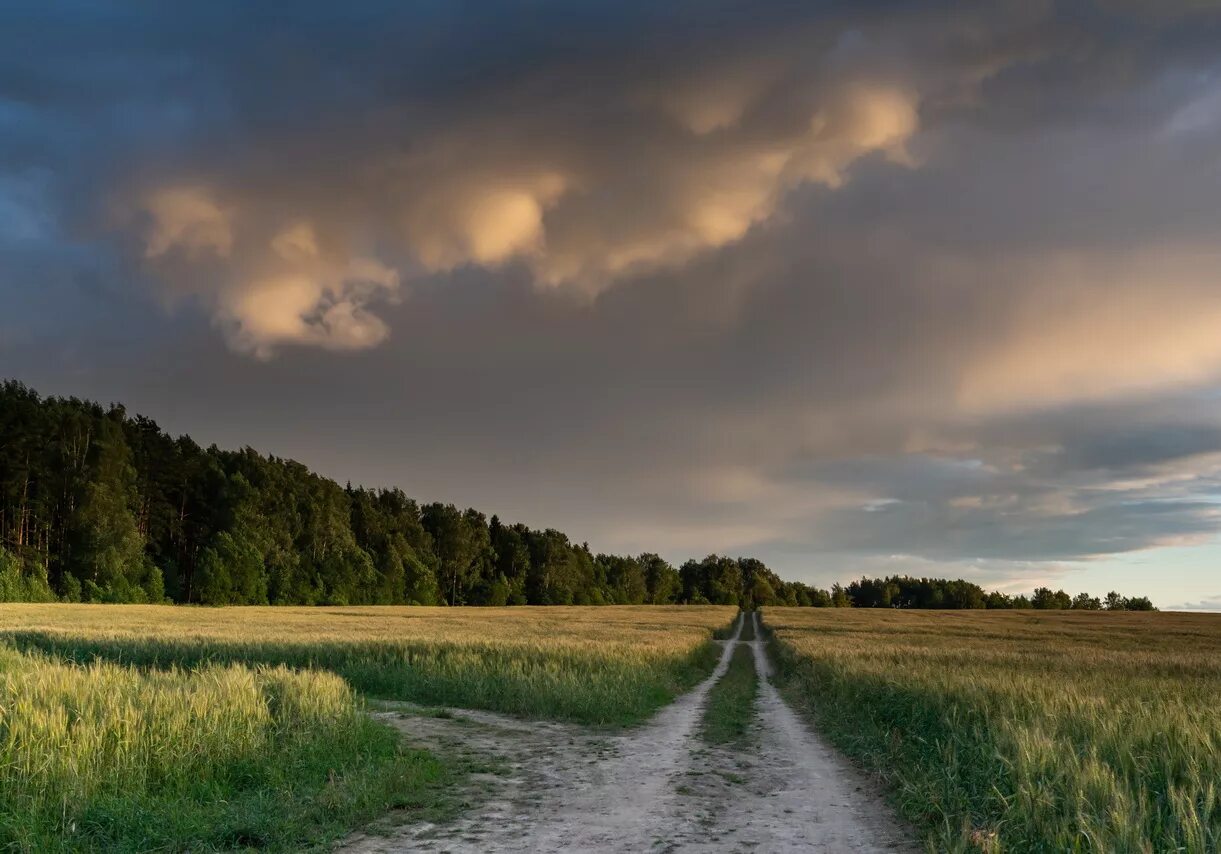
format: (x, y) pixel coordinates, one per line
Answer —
(653, 788)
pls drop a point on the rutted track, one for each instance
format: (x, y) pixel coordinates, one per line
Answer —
(656, 787)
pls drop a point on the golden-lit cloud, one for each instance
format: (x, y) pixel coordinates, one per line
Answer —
(709, 191)
(189, 220)
(1088, 326)
(860, 120)
(579, 212)
(296, 243)
(485, 221)
(266, 293)
(320, 304)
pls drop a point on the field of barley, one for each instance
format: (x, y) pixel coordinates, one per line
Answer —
(134, 728)
(1022, 731)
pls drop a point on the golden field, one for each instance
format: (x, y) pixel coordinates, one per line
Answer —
(138, 727)
(1023, 730)
(590, 664)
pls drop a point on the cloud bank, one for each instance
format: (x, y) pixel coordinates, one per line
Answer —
(582, 196)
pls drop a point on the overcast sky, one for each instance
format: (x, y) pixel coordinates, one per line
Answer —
(850, 287)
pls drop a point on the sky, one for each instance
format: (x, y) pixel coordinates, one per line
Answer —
(854, 288)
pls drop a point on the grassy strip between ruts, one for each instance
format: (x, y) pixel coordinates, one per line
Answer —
(1023, 731)
(731, 702)
(107, 758)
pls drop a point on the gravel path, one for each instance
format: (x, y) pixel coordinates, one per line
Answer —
(653, 788)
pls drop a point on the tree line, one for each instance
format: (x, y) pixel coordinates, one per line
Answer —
(99, 506)
(901, 591)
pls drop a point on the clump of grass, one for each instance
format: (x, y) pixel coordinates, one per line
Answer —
(106, 758)
(1023, 731)
(591, 665)
(730, 710)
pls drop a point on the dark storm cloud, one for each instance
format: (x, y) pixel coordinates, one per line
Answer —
(828, 282)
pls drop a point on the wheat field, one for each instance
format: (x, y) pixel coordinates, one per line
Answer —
(598, 665)
(133, 728)
(102, 757)
(1023, 731)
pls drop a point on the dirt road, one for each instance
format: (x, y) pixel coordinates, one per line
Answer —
(653, 788)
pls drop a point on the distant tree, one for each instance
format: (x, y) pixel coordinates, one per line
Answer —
(624, 579)
(21, 584)
(762, 587)
(761, 593)
(724, 583)
(873, 593)
(510, 544)
(819, 598)
(998, 601)
(1138, 603)
(839, 597)
(1113, 602)
(714, 580)
(231, 573)
(1046, 599)
(661, 580)
(106, 548)
(460, 540)
(1086, 602)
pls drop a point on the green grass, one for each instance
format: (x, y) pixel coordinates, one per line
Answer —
(731, 702)
(107, 758)
(1023, 731)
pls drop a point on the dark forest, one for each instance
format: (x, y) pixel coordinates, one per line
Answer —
(99, 506)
